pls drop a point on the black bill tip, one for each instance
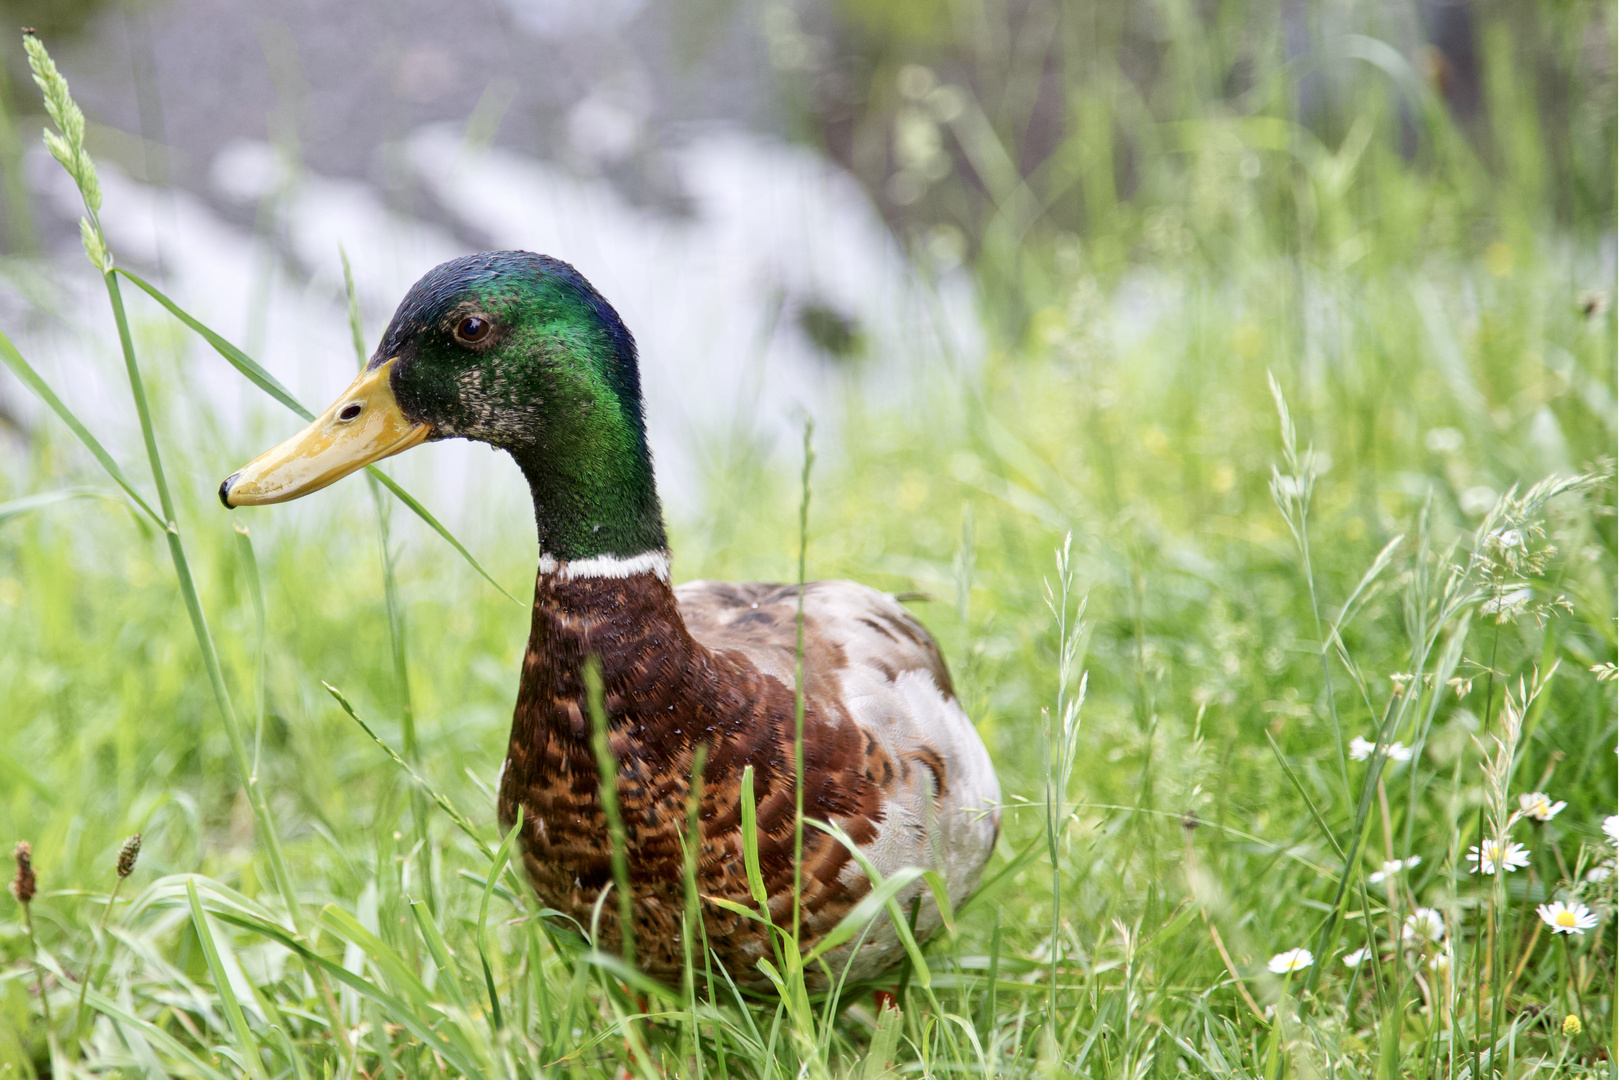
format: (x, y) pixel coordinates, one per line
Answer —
(225, 490)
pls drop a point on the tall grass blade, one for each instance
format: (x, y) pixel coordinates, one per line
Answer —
(255, 584)
(29, 503)
(750, 843)
(433, 523)
(692, 918)
(245, 1041)
(70, 152)
(394, 609)
(503, 854)
(885, 1042)
(1293, 778)
(987, 1005)
(440, 951)
(150, 1032)
(31, 379)
(799, 688)
(608, 768)
(396, 613)
(462, 1055)
(903, 924)
(870, 906)
(443, 802)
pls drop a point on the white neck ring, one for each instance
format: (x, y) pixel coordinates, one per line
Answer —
(607, 566)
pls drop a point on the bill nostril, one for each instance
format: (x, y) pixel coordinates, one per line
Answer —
(225, 489)
(350, 412)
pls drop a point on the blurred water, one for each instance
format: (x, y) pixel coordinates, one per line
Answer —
(719, 280)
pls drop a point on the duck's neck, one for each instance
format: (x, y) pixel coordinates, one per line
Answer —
(621, 611)
(591, 476)
(602, 587)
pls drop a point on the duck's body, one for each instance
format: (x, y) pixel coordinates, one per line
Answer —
(888, 753)
(549, 373)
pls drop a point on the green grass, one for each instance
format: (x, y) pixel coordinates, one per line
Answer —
(1192, 813)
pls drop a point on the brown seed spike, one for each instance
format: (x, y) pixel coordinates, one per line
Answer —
(128, 854)
(24, 885)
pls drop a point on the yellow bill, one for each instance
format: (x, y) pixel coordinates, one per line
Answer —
(363, 425)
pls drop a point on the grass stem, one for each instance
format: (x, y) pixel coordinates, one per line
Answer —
(90, 961)
(608, 768)
(264, 820)
(798, 693)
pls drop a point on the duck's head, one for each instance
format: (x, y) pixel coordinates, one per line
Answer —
(509, 348)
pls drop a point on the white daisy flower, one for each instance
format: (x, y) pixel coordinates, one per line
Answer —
(1357, 957)
(1424, 922)
(1391, 868)
(1539, 805)
(1361, 750)
(1599, 874)
(1488, 856)
(1611, 827)
(1292, 960)
(1565, 918)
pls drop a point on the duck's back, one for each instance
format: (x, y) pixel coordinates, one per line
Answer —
(940, 797)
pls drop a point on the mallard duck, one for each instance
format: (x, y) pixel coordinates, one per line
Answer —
(519, 351)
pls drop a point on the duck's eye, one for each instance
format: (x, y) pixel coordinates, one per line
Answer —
(472, 328)
(350, 411)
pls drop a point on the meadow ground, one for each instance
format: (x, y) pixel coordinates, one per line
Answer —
(1238, 545)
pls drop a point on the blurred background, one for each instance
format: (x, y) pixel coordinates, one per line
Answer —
(787, 201)
(1030, 265)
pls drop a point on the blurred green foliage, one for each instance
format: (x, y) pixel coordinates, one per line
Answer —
(1216, 131)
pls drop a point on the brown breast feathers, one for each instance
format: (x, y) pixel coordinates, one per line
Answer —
(665, 694)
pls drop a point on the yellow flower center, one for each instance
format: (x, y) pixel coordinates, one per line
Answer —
(1565, 918)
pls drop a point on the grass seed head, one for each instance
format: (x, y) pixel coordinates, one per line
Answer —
(128, 854)
(68, 147)
(24, 885)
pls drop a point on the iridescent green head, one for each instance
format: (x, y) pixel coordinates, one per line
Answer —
(516, 350)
